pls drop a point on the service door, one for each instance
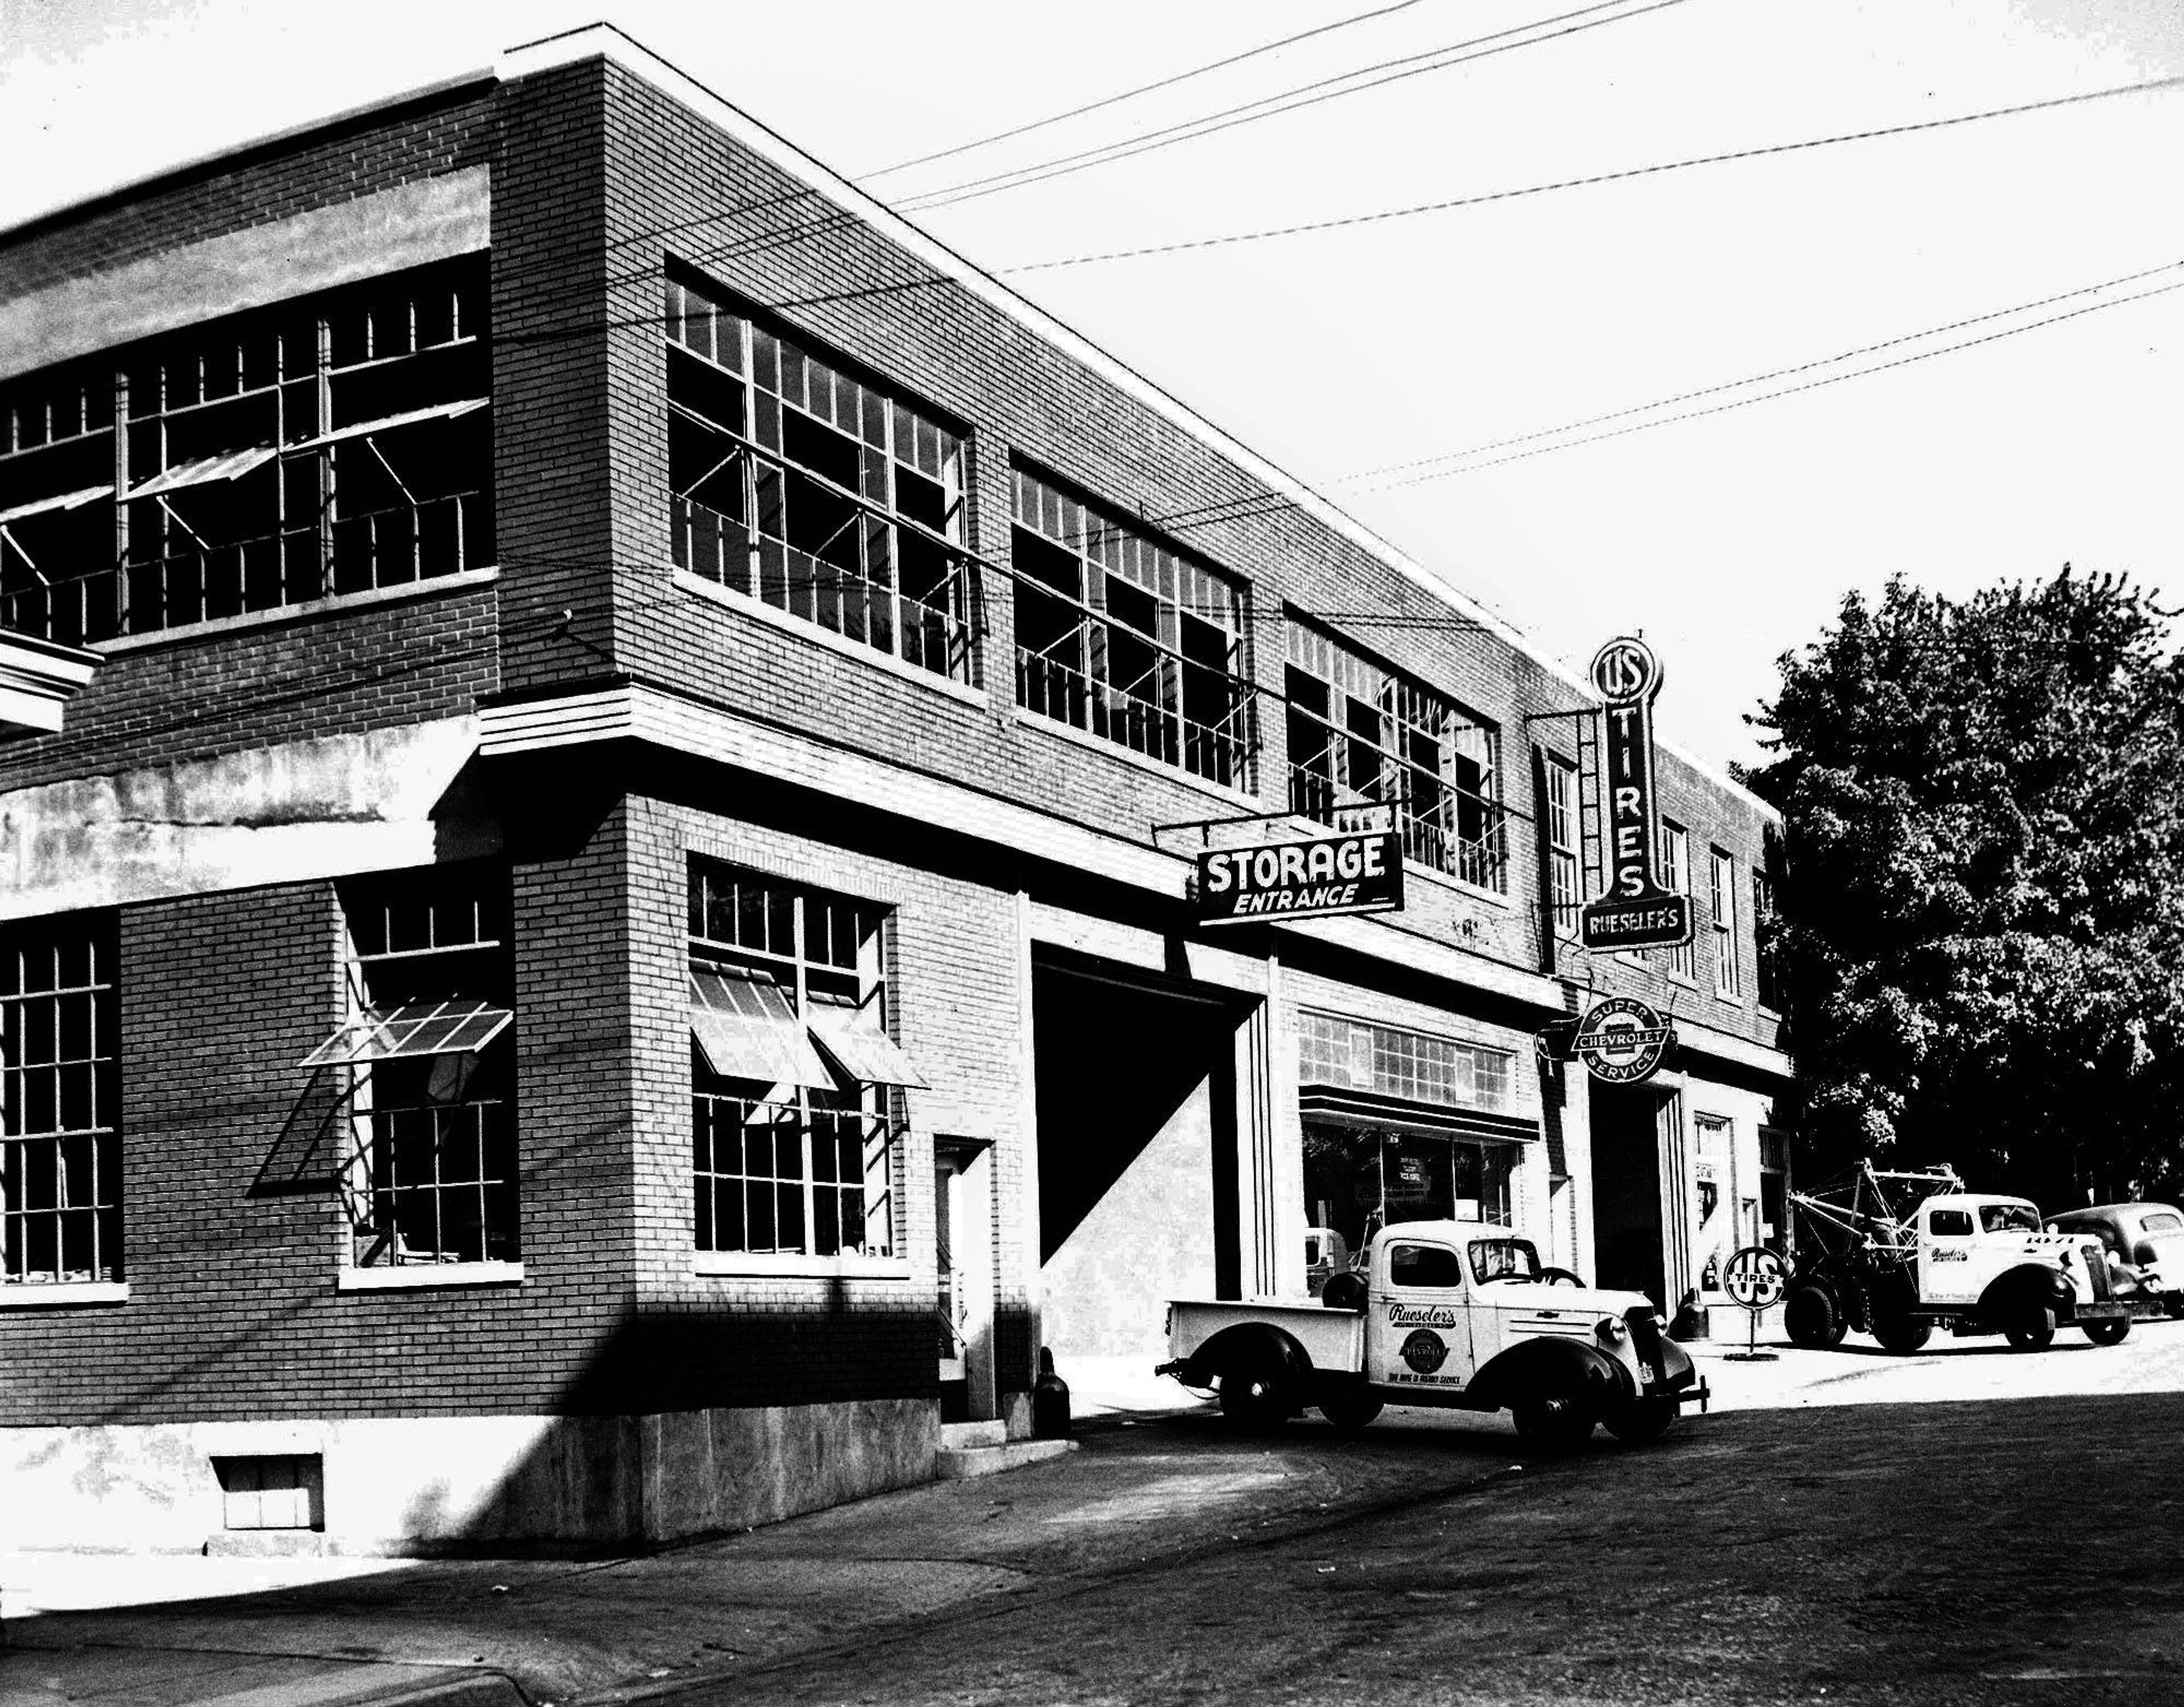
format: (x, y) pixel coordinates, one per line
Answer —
(1945, 1257)
(1419, 1334)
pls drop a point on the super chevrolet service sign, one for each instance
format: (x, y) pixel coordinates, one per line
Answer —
(1302, 879)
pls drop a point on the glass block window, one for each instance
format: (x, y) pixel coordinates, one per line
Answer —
(432, 1174)
(338, 443)
(1123, 637)
(791, 1155)
(820, 492)
(1360, 734)
(1388, 1061)
(60, 1116)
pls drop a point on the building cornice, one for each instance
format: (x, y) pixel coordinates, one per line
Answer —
(38, 679)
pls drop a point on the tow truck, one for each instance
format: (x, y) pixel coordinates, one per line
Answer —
(1899, 1253)
(1460, 1314)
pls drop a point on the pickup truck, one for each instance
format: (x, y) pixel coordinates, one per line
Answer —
(1455, 1313)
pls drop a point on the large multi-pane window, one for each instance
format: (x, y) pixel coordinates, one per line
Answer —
(793, 1069)
(798, 484)
(1722, 883)
(1412, 1065)
(1561, 835)
(1120, 637)
(60, 1119)
(1675, 874)
(335, 444)
(431, 1172)
(1360, 734)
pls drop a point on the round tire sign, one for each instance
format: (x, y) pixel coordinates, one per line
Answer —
(1621, 1040)
(1425, 1351)
(1755, 1277)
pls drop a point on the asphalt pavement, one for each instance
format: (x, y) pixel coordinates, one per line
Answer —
(1966, 1525)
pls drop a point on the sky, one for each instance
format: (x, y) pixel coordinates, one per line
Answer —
(1493, 388)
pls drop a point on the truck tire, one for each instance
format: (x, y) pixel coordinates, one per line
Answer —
(1641, 1420)
(1555, 1420)
(2108, 1333)
(1902, 1334)
(1255, 1396)
(1349, 1415)
(2031, 1326)
(1814, 1319)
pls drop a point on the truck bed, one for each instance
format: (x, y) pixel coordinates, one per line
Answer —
(1334, 1339)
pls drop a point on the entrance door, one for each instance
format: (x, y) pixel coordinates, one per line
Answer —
(947, 1215)
(963, 1275)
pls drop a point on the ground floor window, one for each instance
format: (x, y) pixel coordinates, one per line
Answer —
(60, 1117)
(795, 1074)
(1715, 1175)
(1357, 1180)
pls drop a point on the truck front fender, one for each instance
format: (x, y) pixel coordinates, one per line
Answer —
(1248, 1345)
(2027, 1283)
(1544, 1365)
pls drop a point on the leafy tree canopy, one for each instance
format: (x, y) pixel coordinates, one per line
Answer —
(1981, 924)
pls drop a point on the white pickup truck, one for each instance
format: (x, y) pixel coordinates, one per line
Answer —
(1456, 1313)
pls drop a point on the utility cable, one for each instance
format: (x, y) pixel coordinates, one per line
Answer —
(1350, 220)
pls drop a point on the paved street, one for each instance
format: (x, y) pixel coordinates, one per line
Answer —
(1843, 1530)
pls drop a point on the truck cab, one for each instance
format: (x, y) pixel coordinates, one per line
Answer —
(1452, 1314)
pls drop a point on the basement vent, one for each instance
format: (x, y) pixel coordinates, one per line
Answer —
(272, 1491)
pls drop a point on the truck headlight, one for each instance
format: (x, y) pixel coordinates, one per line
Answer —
(1613, 1330)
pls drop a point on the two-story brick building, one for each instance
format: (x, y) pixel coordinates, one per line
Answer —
(605, 939)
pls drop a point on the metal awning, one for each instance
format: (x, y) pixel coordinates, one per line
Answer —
(1372, 1111)
(412, 1028)
(230, 464)
(65, 500)
(747, 1029)
(853, 1038)
(387, 423)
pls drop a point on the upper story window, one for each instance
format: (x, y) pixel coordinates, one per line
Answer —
(1722, 886)
(1120, 637)
(1561, 837)
(795, 483)
(1766, 966)
(60, 1117)
(792, 1069)
(335, 444)
(1676, 855)
(1362, 734)
(431, 1173)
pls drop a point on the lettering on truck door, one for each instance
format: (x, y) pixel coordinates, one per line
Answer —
(1419, 1334)
(1945, 1257)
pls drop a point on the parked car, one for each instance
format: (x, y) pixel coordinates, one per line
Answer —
(1325, 1252)
(2147, 1240)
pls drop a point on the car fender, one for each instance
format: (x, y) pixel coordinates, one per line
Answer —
(1532, 1366)
(1245, 1344)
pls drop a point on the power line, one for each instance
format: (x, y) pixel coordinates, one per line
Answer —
(1141, 89)
(1250, 112)
(1628, 172)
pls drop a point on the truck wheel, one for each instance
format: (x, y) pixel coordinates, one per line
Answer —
(1641, 1420)
(1255, 1398)
(2031, 1327)
(1814, 1320)
(2110, 1333)
(1902, 1334)
(1348, 1415)
(1553, 1422)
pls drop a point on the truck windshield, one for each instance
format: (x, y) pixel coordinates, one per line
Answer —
(2010, 1218)
(1504, 1259)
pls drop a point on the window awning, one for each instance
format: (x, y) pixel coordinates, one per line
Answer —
(748, 1029)
(386, 423)
(229, 464)
(65, 500)
(854, 1040)
(412, 1028)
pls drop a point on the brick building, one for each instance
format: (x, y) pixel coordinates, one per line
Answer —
(593, 953)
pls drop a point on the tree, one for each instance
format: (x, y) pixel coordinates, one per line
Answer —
(1982, 922)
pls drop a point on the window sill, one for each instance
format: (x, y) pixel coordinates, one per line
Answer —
(419, 1277)
(333, 606)
(63, 1294)
(758, 1266)
(713, 592)
(1025, 718)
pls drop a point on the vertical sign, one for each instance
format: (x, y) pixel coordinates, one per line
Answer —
(1636, 912)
